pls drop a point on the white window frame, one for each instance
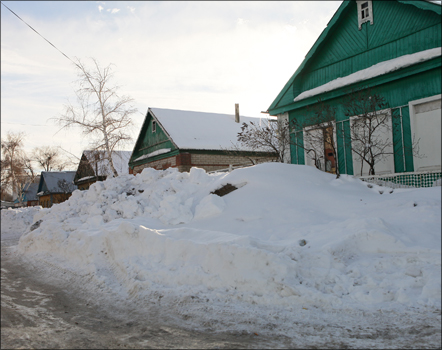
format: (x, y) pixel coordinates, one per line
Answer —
(367, 18)
(390, 158)
(411, 105)
(154, 126)
(287, 154)
(309, 128)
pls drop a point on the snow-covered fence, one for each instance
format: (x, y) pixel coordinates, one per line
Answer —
(406, 180)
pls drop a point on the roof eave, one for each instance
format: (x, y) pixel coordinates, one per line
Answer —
(311, 52)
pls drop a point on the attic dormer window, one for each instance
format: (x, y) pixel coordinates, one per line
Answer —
(154, 126)
(365, 12)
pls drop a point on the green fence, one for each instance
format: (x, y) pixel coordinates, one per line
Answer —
(406, 180)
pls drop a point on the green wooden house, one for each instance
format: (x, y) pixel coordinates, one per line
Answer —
(171, 138)
(391, 47)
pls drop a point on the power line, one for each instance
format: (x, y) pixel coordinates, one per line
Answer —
(40, 35)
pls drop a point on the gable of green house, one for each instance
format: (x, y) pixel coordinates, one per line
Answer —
(399, 28)
(152, 138)
(342, 49)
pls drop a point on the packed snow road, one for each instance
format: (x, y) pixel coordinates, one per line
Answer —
(42, 310)
(293, 257)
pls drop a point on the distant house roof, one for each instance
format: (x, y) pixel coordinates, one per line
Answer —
(100, 163)
(56, 182)
(201, 130)
(31, 192)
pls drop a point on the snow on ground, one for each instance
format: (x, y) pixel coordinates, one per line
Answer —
(290, 239)
(16, 221)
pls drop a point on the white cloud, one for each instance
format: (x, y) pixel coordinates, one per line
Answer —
(115, 10)
(241, 21)
(100, 8)
(206, 61)
(131, 9)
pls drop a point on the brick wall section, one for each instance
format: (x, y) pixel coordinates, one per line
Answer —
(161, 164)
(208, 162)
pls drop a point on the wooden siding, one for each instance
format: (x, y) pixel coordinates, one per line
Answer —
(149, 141)
(398, 93)
(398, 29)
(48, 200)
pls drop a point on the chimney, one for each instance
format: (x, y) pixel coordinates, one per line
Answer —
(236, 112)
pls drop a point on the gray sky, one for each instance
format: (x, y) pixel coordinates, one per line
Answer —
(202, 56)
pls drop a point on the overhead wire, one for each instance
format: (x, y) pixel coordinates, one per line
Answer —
(40, 34)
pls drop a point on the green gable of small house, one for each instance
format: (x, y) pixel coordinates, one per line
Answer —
(153, 142)
(395, 50)
(184, 139)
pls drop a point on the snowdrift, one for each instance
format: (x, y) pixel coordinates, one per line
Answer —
(289, 236)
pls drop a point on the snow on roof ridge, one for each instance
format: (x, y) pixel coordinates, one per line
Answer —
(436, 2)
(380, 68)
(201, 130)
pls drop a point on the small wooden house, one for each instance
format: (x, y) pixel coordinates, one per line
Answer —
(393, 47)
(28, 194)
(55, 187)
(184, 139)
(94, 166)
(30, 198)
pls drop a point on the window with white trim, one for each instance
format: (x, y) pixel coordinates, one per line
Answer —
(365, 12)
(154, 126)
(380, 132)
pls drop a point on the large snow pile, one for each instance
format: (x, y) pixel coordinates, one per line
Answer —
(18, 220)
(289, 237)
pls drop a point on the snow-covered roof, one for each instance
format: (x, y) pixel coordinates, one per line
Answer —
(53, 179)
(31, 192)
(154, 153)
(119, 158)
(373, 71)
(201, 130)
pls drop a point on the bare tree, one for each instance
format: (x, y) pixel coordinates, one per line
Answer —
(278, 136)
(17, 170)
(272, 136)
(101, 113)
(371, 127)
(49, 158)
(66, 189)
(318, 142)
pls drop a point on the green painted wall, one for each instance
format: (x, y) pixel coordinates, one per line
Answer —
(149, 141)
(398, 29)
(397, 94)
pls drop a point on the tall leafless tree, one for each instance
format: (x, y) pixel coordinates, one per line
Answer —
(17, 172)
(371, 127)
(49, 158)
(101, 113)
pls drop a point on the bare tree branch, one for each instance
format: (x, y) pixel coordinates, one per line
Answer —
(101, 113)
(17, 172)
